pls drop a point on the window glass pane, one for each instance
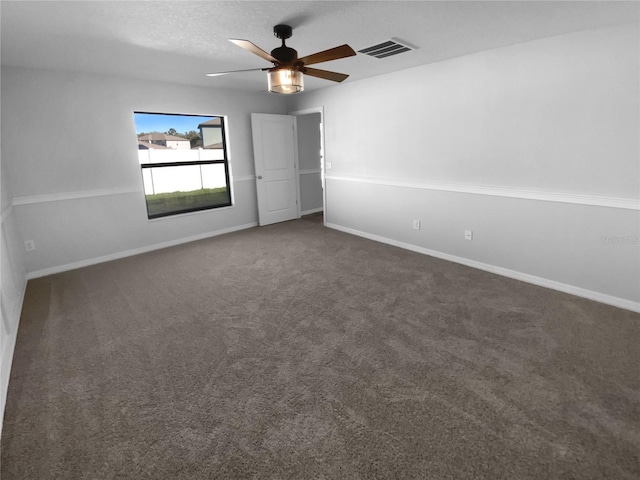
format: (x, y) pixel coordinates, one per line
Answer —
(162, 204)
(153, 155)
(183, 162)
(174, 179)
(214, 176)
(185, 188)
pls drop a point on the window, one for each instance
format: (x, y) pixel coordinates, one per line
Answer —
(184, 163)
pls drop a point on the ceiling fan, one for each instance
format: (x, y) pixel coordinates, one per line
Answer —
(286, 74)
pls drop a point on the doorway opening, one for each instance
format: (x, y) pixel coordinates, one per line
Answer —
(311, 164)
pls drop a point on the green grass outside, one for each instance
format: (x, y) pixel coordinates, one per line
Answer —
(163, 203)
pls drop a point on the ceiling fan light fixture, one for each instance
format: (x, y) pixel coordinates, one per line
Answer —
(286, 76)
(285, 80)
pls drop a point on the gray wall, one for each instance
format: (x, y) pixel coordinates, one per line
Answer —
(534, 147)
(69, 143)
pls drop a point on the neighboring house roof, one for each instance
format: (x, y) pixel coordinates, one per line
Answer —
(152, 146)
(155, 136)
(212, 122)
(214, 145)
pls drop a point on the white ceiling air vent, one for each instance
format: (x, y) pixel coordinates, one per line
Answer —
(391, 47)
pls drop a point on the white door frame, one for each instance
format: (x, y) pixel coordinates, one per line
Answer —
(323, 168)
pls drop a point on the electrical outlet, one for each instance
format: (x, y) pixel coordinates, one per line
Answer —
(416, 224)
(327, 165)
(468, 235)
(29, 245)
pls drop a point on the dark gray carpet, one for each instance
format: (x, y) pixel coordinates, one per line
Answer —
(296, 351)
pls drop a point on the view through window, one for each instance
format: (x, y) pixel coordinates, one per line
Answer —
(184, 162)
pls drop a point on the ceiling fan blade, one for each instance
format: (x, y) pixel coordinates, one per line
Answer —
(332, 54)
(327, 75)
(253, 48)
(234, 71)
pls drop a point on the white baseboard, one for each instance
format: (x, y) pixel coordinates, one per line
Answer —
(8, 347)
(7, 360)
(505, 272)
(134, 251)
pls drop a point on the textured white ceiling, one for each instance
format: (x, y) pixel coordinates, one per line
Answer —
(180, 41)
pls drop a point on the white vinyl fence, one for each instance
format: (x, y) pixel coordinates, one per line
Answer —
(184, 178)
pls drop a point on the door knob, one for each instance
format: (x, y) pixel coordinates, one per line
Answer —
(259, 177)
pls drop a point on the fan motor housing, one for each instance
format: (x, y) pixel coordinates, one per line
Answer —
(284, 54)
(282, 31)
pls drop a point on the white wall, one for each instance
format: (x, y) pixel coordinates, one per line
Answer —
(83, 207)
(12, 286)
(534, 147)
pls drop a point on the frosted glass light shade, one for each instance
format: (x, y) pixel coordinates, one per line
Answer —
(284, 80)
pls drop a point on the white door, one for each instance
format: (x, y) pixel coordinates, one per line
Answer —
(275, 158)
